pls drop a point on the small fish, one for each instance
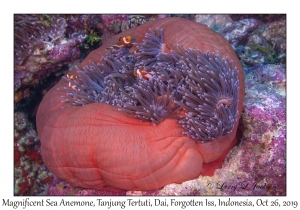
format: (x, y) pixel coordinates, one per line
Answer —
(142, 74)
(72, 77)
(123, 42)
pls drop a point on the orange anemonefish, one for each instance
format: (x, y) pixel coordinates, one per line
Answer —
(123, 42)
(142, 74)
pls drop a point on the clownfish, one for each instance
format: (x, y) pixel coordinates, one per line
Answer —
(123, 42)
(142, 74)
(72, 77)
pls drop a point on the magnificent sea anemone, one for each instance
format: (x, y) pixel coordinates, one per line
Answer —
(141, 116)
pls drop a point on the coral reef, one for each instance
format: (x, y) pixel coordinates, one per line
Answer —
(257, 39)
(134, 21)
(236, 32)
(162, 81)
(265, 18)
(265, 139)
(81, 24)
(215, 22)
(111, 25)
(45, 44)
(31, 175)
(267, 45)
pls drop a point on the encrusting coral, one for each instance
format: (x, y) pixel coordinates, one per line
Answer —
(189, 83)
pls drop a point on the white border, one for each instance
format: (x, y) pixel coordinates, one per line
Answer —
(151, 7)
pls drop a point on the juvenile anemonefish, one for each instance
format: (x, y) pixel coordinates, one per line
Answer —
(123, 42)
(142, 74)
(72, 77)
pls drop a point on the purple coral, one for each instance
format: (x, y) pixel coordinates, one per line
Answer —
(31, 34)
(81, 23)
(47, 43)
(28, 35)
(31, 177)
(18, 76)
(65, 51)
(111, 25)
(57, 28)
(235, 32)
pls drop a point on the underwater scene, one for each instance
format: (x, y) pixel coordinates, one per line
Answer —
(154, 104)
